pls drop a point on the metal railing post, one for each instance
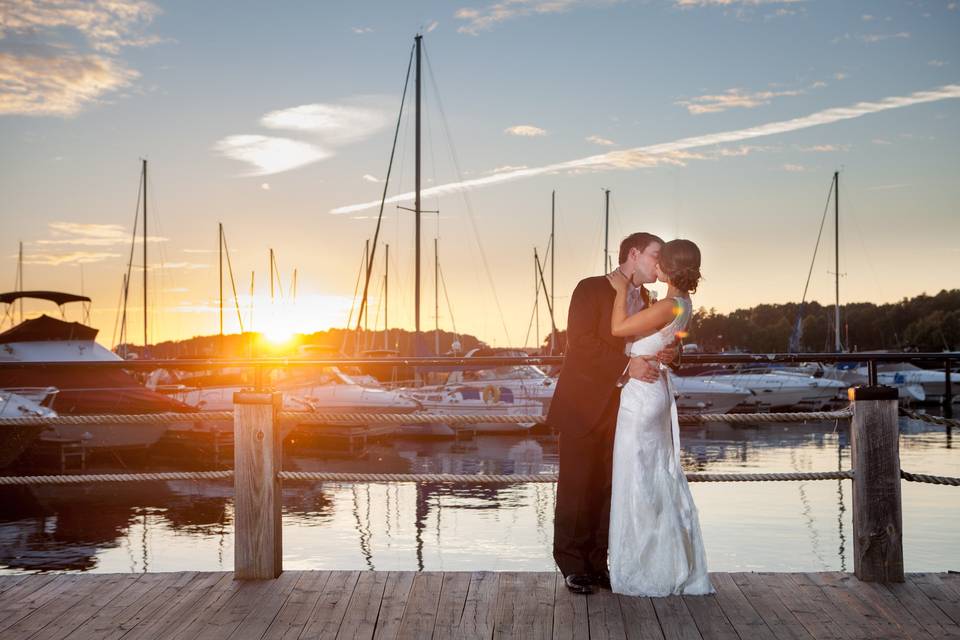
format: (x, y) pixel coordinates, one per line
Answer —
(258, 544)
(877, 507)
(947, 391)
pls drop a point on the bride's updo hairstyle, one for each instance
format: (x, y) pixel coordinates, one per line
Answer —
(680, 262)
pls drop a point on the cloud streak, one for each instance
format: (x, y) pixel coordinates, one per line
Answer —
(269, 154)
(525, 131)
(488, 17)
(652, 155)
(733, 98)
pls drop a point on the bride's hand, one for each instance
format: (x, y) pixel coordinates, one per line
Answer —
(618, 281)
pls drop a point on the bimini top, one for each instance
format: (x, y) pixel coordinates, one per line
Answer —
(46, 328)
(53, 296)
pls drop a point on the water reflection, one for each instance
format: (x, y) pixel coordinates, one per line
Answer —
(186, 525)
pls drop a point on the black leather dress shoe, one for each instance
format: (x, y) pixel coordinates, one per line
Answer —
(601, 580)
(579, 583)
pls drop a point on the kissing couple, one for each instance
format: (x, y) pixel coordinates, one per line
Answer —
(625, 519)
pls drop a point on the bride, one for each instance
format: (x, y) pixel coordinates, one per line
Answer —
(656, 548)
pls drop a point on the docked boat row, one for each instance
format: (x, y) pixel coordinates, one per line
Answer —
(520, 389)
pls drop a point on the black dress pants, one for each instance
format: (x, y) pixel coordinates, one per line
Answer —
(581, 522)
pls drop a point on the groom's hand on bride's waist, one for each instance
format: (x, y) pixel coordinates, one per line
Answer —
(668, 354)
(643, 370)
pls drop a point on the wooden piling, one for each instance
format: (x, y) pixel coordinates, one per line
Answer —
(877, 511)
(258, 547)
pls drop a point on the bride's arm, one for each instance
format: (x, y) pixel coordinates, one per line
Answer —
(643, 322)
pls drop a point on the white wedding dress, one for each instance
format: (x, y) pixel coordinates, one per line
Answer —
(656, 548)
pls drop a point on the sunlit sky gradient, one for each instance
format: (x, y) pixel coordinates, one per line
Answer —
(274, 118)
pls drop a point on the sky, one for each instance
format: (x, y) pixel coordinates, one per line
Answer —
(720, 121)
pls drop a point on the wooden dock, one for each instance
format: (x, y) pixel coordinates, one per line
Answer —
(367, 604)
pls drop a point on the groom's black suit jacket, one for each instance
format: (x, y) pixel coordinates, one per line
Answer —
(594, 360)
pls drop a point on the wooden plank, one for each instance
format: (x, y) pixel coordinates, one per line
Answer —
(360, 618)
(807, 602)
(453, 598)
(741, 614)
(324, 621)
(887, 604)
(395, 595)
(604, 616)
(293, 615)
(183, 607)
(640, 619)
(7, 582)
(710, 618)
(480, 608)
(859, 614)
(835, 619)
(76, 587)
(10, 604)
(35, 600)
(120, 589)
(121, 615)
(939, 593)
(778, 618)
(675, 620)
(933, 619)
(420, 613)
(525, 605)
(251, 610)
(570, 616)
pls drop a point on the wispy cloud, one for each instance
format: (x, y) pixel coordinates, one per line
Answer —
(794, 168)
(733, 99)
(525, 130)
(72, 46)
(362, 30)
(430, 27)
(74, 257)
(881, 141)
(369, 178)
(91, 235)
(330, 124)
(335, 123)
(648, 155)
(487, 17)
(269, 155)
(871, 38)
(604, 142)
(936, 63)
(825, 148)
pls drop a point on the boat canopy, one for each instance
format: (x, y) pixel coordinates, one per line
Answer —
(53, 296)
(46, 328)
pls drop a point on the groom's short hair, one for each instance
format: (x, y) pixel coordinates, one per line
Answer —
(638, 241)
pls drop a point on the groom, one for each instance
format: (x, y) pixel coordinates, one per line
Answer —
(584, 410)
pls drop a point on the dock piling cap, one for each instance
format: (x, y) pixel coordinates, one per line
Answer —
(879, 392)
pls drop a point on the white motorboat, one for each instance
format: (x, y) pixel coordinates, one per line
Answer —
(770, 391)
(913, 384)
(80, 390)
(697, 395)
(14, 439)
(526, 381)
(466, 400)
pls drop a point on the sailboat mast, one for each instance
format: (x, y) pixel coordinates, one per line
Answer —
(20, 277)
(144, 256)
(606, 231)
(436, 295)
(386, 296)
(836, 256)
(416, 207)
(220, 249)
(271, 277)
(553, 253)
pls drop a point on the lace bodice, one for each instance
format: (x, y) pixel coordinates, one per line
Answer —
(652, 344)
